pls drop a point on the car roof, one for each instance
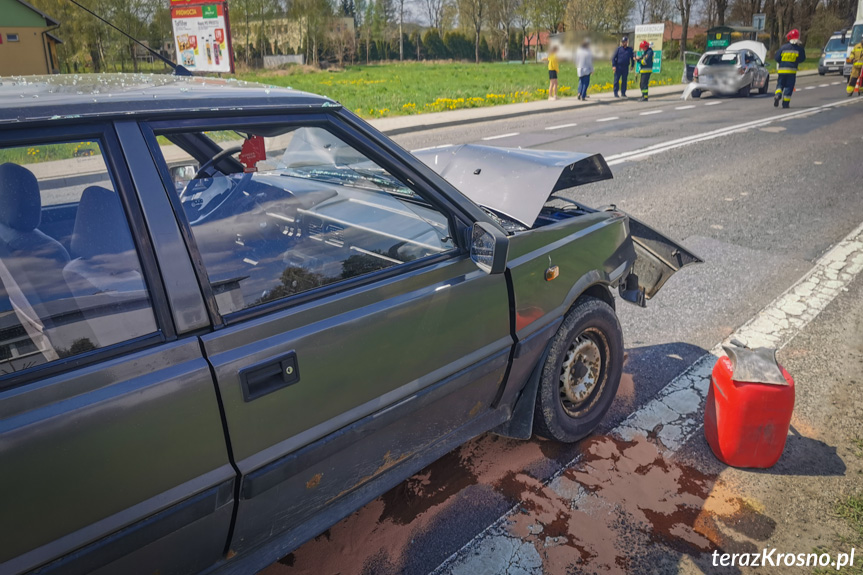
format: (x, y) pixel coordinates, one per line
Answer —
(66, 96)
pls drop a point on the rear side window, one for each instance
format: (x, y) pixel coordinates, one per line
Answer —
(70, 276)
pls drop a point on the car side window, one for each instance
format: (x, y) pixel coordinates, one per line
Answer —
(278, 211)
(70, 276)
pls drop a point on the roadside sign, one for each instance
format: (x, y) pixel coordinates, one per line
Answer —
(652, 33)
(758, 21)
(718, 40)
(202, 36)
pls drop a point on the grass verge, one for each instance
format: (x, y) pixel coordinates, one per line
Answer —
(397, 89)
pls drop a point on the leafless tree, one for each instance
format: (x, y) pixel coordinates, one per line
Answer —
(684, 8)
(473, 13)
(434, 10)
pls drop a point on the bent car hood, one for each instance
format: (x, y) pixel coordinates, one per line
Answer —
(514, 182)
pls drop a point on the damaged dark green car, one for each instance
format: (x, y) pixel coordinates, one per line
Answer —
(231, 315)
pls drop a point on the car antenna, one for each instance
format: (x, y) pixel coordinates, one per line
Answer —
(178, 69)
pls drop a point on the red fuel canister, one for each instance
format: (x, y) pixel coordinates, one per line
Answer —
(749, 408)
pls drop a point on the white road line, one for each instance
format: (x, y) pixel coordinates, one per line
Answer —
(608, 119)
(809, 88)
(835, 83)
(685, 107)
(650, 112)
(561, 126)
(774, 327)
(823, 85)
(713, 103)
(672, 144)
(672, 414)
(511, 134)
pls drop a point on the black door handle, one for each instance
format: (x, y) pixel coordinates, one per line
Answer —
(270, 375)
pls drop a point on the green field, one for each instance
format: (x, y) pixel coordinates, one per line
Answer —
(396, 89)
(418, 87)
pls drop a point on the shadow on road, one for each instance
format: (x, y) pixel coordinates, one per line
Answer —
(806, 457)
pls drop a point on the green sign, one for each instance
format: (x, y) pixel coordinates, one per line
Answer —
(718, 41)
(657, 62)
(210, 11)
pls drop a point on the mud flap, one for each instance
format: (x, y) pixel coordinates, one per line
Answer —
(657, 259)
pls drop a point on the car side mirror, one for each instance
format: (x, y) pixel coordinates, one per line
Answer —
(183, 174)
(489, 248)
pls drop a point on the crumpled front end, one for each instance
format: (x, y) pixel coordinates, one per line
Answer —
(520, 190)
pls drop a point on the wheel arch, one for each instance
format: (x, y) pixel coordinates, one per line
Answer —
(520, 425)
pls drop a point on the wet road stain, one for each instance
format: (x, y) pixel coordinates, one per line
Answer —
(623, 499)
(427, 489)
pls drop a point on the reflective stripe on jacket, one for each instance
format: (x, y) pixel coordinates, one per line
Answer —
(646, 61)
(789, 57)
(856, 56)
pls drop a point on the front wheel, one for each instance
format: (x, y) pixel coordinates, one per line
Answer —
(696, 93)
(745, 90)
(581, 373)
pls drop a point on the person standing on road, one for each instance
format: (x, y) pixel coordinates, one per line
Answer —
(789, 57)
(553, 68)
(856, 61)
(645, 63)
(584, 68)
(622, 61)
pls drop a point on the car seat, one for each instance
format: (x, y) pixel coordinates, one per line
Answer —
(34, 259)
(103, 253)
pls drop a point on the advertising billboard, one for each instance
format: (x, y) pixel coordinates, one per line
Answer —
(652, 33)
(202, 36)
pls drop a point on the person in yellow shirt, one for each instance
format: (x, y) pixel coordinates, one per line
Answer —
(856, 61)
(553, 68)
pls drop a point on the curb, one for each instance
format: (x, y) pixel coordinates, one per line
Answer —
(490, 115)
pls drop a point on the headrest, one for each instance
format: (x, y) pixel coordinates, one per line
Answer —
(100, 225)
(20, 201)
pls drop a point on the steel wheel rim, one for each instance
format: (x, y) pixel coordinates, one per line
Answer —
(583, 372)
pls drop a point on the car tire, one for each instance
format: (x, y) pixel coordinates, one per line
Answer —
(745, 91)
(821, 71)
(581, 373)
(766, 87)
(696, 93)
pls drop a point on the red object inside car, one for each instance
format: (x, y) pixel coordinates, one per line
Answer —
(746, 423)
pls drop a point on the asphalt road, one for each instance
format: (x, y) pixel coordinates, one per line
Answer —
(759, 205)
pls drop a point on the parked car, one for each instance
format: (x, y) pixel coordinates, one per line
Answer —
(738, 69)
(833, 56)
(249, 313)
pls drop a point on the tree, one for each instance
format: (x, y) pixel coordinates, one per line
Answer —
(473, 12)
(523, 18)
(434, 45)
(684, 8)
(551, 14)
(501, 17)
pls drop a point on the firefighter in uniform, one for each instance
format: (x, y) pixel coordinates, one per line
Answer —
(645, 63)
(789, 57)
(856, 61)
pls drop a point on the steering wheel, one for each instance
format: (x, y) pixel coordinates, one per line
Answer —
(204, 170)
(196, 186)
